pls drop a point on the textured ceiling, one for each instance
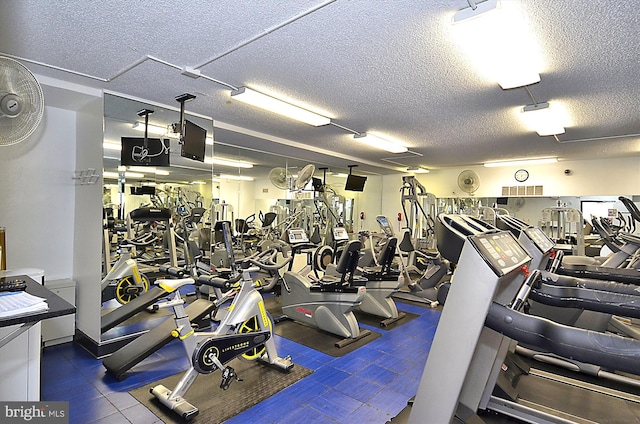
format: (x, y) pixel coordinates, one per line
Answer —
(371, 65)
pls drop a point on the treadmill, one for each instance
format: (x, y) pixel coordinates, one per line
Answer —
(471, 372)
(585, 267)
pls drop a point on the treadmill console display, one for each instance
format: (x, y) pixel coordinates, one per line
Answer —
(539, 238)
(501, 251)
(340, 234)
(384, 225)
(297, 236)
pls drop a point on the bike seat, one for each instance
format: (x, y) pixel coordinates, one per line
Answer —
(332, 287)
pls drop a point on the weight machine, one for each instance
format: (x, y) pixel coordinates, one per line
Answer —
(419, 221)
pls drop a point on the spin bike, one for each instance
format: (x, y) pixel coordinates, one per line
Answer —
(124, 281)
(246, 330)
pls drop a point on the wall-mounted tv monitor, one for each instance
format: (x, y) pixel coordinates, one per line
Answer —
(355, 183)
(502, 201)
(317, 185)
(137, 191)
(193, 141)
(133, 152)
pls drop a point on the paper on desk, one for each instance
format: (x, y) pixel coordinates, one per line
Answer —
(18, 303)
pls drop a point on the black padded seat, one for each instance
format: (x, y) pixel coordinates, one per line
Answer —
(150, 214)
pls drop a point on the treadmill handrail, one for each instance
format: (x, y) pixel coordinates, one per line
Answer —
(610, 351)
(582, 298)
(589, 283)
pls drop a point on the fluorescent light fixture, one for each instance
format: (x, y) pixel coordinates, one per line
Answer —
(228, 162)
(418, 170)
(236, 177)
(542, 119)
(380, 143)
(115, 175)
(520, 162)
(150, 169)
(151, 129)
(280, 107)
(496, 39)
(107, 145)
(208, 141)
(198, 182)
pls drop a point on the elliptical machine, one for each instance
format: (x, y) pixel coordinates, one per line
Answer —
(326, 303)
(425, 288)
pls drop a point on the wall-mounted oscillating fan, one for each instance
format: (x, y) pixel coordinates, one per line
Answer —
(518, 203)
(280, 178)
(304, 176)
(469, 181)
(21, 102)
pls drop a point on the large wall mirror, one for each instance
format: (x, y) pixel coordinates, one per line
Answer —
(237, 184)
(157, 198)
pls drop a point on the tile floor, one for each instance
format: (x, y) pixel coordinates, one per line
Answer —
(369, 385)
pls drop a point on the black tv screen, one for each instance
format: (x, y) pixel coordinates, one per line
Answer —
(193, 141)
(355, 183)
(317, 184)
(502, 201)
(133, 152)
(143, 190)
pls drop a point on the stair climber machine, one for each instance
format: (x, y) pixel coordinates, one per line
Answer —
(471, 372)
(424, 288)
(327, 302)
(246, 331)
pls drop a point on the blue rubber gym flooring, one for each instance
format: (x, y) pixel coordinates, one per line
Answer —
(369, 385)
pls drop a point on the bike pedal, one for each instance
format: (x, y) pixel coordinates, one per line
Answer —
(228, 376)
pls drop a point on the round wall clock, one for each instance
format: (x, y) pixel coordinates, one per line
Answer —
(521, 175)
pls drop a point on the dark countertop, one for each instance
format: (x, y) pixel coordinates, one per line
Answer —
(57, 305)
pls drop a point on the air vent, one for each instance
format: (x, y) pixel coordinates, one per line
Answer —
(522, 190)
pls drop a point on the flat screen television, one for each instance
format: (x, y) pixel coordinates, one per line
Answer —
(355, 183)
(502, 201)
(193, 141)
(133, 152)
(317, 185)
(143, 190)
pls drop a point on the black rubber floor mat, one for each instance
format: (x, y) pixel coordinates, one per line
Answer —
(320, 340)
(376, 321)
(312, 337)
(259, 382)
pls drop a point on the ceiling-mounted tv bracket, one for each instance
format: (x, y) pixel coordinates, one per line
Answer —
(179, 127)
(351, 168)
(145, 113)
(324, 175)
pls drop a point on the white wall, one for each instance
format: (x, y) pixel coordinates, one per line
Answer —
(591, 177)
(87, 234)
(38, 196)
(52, 223)
(611, 177)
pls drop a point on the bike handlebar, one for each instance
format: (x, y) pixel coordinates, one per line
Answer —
(173, 271)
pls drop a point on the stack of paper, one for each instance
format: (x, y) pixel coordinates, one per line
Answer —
(19, 303)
